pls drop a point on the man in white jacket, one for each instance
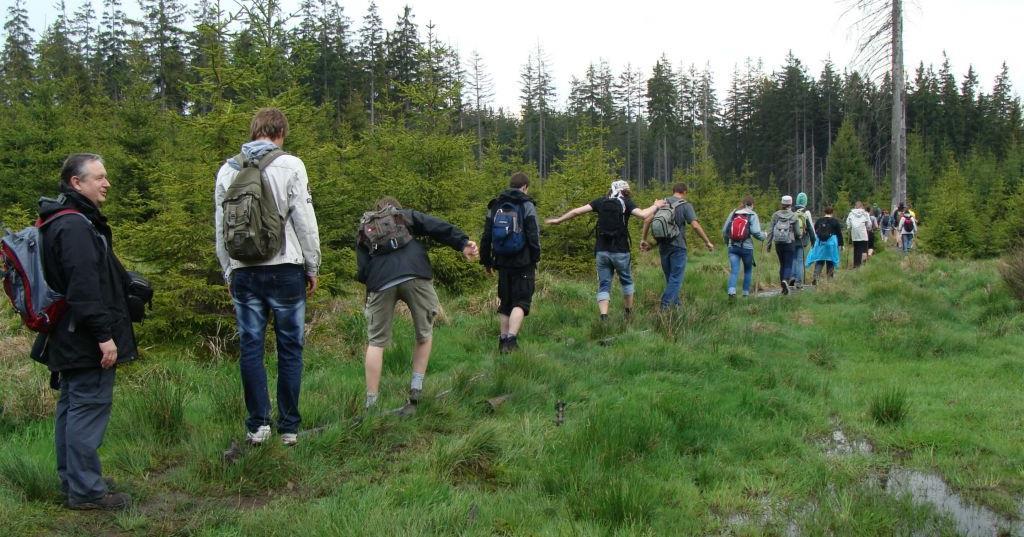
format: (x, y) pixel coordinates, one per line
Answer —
(279, 284)
(859, 224)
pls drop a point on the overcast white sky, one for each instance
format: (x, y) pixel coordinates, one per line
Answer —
(720, 33)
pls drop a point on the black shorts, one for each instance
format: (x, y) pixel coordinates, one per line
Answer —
(515, 289)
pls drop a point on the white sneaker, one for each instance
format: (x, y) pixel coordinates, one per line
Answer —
(289, 439)
(260, 436)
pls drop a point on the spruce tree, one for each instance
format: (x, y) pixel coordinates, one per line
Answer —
(847, 169)
(16, 63)
(662, 102)
(164, 47)
(371, 54)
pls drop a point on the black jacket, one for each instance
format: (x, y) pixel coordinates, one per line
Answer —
(79, 262)
(528, 256)
(411, 259)
(833, 226)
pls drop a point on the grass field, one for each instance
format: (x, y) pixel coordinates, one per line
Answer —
(766, 416)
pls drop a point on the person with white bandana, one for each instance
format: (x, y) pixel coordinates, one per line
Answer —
(612, 247)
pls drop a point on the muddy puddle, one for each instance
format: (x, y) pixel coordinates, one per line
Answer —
(777, 291)
(971, 520)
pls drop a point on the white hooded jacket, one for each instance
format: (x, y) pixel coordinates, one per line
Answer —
(287, 178)
(858, 222)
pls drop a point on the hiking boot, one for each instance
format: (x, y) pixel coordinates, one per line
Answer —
(409, 409)
(627, 314)
(604, 317)
(501, 344)
(289, 439)
(111, 501)
(261, 435)
(785, 287)
(511, 344)
(108, 481)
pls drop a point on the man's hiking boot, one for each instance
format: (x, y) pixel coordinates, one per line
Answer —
(410, 406)
(627, 314)
(108, 481)
(111, 501)
(501, 344)
(785, 287)
(261, 435)
(604, 317)
(511, 344)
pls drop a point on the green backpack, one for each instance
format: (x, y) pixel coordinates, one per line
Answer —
(252, 226)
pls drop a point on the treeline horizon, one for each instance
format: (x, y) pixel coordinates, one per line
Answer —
(772, 128)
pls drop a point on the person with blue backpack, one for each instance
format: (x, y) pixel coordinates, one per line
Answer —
(510, 245)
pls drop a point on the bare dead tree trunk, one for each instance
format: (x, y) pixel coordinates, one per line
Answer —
(899, 110)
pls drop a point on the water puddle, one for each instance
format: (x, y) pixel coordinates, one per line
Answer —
(777, 291)
(971, 520)
(839, 445)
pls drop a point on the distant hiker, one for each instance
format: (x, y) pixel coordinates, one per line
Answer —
(612, 247)
(805, 222)
(907, 227)
(93, 337)
(783, 233)
(886, 222)
(872, 231)
(511, 244)
(668, 226)
(739, 230)
(268, 271)
(394, 266)
(859, 224)
(825, 253)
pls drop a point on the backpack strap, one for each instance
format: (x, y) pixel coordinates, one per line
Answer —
(265, 160)
(40, 223)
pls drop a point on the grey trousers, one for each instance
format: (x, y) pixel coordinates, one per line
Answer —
(83, 412)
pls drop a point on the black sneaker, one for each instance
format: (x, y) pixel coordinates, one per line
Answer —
(111, 501)
(785, 287)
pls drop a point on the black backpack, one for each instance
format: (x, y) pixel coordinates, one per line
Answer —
(611, 219)
(822, 229)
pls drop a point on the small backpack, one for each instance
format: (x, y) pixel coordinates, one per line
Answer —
(384, 231)
(739, 227)
(611, 220)
(507, 235)
(783, 232)
(252, 226)
(663, 225)
(802, 227)
(21, 258)
(908, 225)
(822, 229)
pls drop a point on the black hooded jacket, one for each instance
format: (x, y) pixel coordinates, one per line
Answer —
(410, 260)
(528, 256)
(79, 262)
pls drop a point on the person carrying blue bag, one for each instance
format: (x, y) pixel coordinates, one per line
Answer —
(511, 245)
(825, 254)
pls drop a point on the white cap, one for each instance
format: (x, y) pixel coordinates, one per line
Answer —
(787, 200)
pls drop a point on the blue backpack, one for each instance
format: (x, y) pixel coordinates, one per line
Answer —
(507, 235)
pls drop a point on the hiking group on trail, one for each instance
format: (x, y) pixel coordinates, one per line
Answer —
(66, 283)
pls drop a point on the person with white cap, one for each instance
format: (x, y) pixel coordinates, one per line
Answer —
(612, 248)
(784, 233)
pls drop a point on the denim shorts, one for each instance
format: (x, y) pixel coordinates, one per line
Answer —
(608, 263)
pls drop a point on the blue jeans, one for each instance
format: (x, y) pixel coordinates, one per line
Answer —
(258, 291)
(608, 263)
(798, 263)
(908, 242)
(673, 264)
(736, 255)
(785, 253)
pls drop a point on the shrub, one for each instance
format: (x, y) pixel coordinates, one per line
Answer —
(1012, 270)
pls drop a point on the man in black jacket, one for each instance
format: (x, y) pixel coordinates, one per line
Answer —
(93, 337)
(517, 267)
(403, 274)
